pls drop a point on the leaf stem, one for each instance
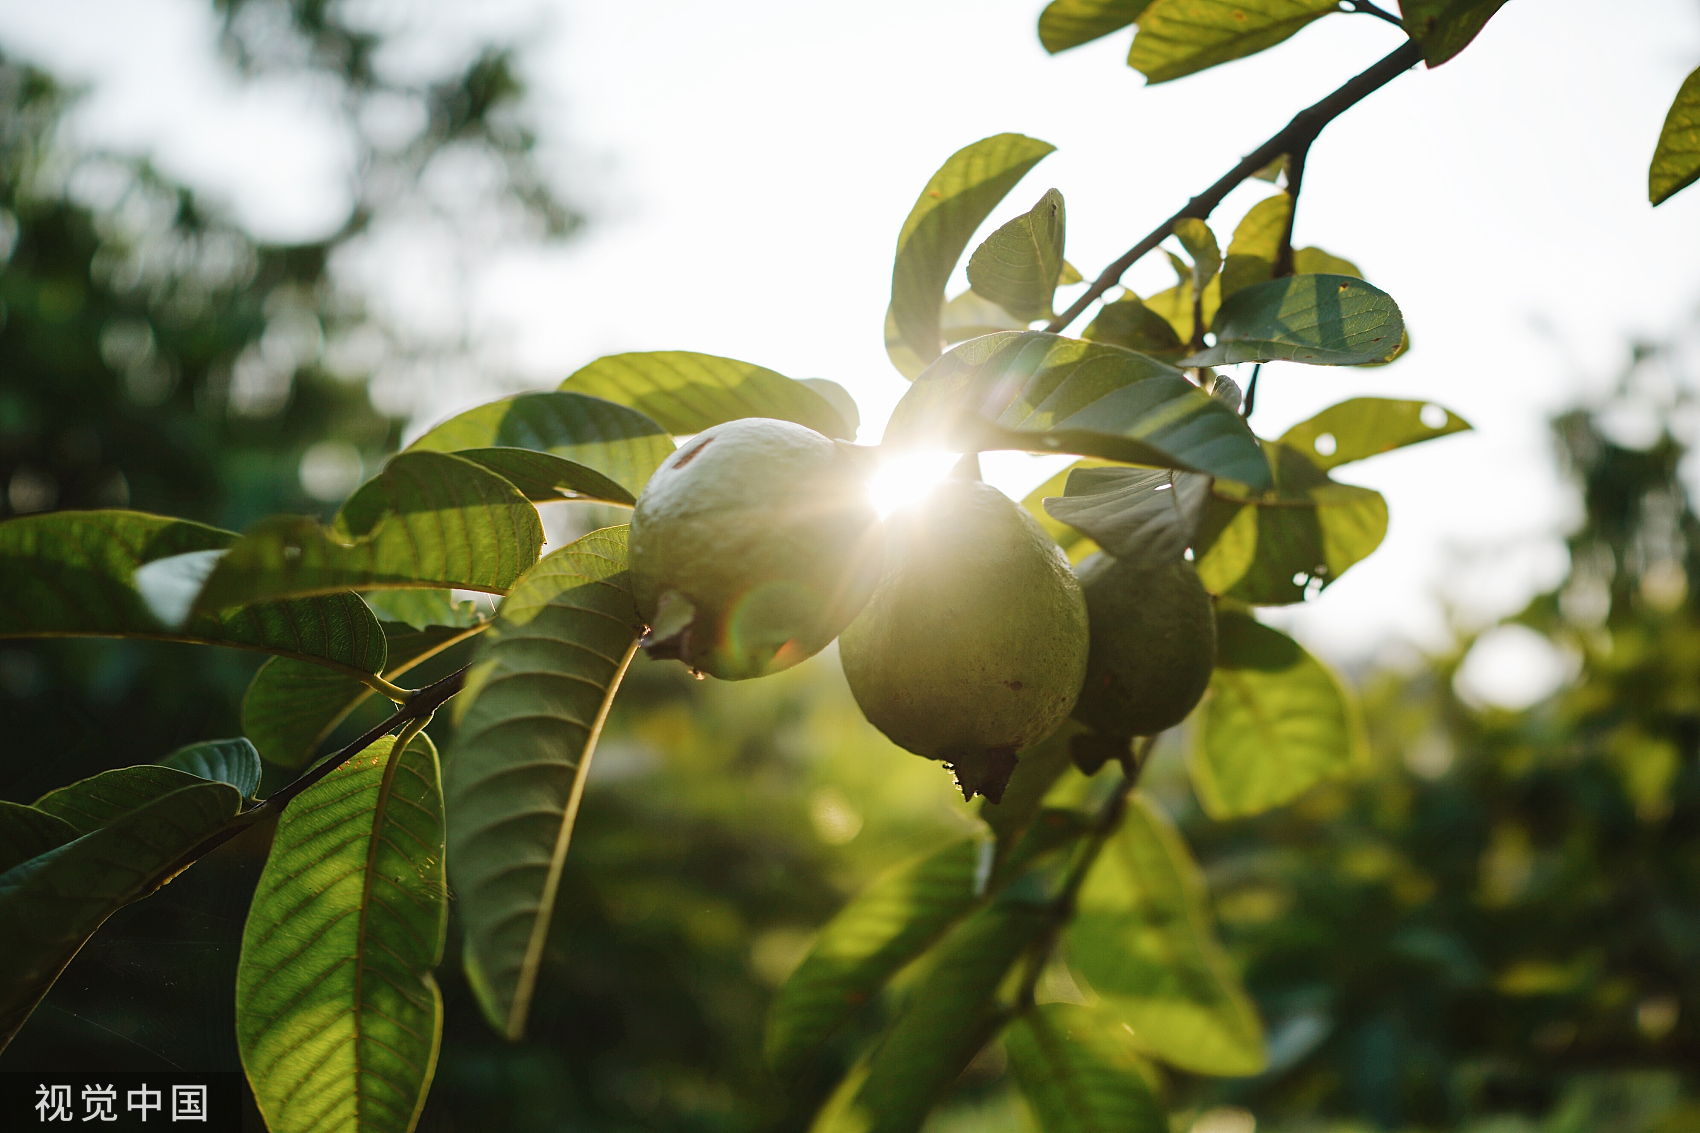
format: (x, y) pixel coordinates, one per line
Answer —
(1364, 7)
(393, 692)
(1300, 132)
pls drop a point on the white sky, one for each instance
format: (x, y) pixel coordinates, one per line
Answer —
(750, 162)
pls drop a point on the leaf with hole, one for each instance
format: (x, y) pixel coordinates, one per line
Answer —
(956, 200)
(1017, 267)
(429, 520)
(52, 904)
(1142, 939)
(688, 392)
(1445, 27)
(1275, 722)
(1367, 426)
(338, 1019)
(527, 725)
(1069, 23)
(1181, 37)
(1322, 320)
(1676, 158)
(84, 574)
(1082, 1072)
(1138, 515)
(1045, 393)
(613, 440)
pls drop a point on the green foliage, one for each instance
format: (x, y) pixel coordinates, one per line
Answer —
(1181, 37)
(1364, 426)
(1200, 243)
(1276, 722)
(1256, 242)
(1045, 393)
(538, 695)
(1069, 23)
(1082, 1072)
(107, 797)
(26, 832)
(337, 1014)
(1138, 516)
(1676, 158)
(1446, 27)
(1130, 324)
(224, 761)
(1323, 320)
(1019, 265)
(687, 392)
(956, 200)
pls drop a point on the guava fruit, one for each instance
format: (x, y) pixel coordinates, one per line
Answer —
(1153, 645)
(751, 547)
(974, 644)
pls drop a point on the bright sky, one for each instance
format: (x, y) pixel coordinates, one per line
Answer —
(750, 162)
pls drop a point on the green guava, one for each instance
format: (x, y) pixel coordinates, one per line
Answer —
(1153, 645)
(751, 548)
(974, 645)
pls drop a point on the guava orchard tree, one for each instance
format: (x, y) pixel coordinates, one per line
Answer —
(1075, 927)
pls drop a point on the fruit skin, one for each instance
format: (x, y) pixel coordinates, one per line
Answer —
(752, 547)
(1153, 645)
(974, 645)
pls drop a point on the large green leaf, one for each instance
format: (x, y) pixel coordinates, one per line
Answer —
(74, 573)
(1045, 393)
(891, 922)
(337, 1016)
(1366, 426)
(543, 477)
(527, 725)
(26, 832)
(93, 802)
(232, 761)
(615, 441)
(1073, 541)
(51, 904)
(1138, 515)
(1323, 320)
(1181, 37)
(1142, 938)
(949, 1017)
(1272, 548)
(430, 520)
(1132, 325)
(1017, 266)
(1445, 27)
(1275, 723)
(688, 392)
(1676, 159)
(955, 202)
(1069, 23)
(1256, 243)
(291, 708)
(1081, 1072)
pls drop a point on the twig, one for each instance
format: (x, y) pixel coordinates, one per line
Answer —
(1364, 7)
(1295, 181)
(1300, 132)
(1251, 392)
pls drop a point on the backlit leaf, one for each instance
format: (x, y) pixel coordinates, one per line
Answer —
(1200, 243)
(1676, 159)
(1366, 426)
(1143, 940)
(1130, 324)
(687, 392)
(1275, 722)
(1256, 243)
(1045, 393)
(1081, 1072)
(423, 608)
(337, 1016)
(1069, 23)
(1138, 515)
(1181, 37)
(839, 398)
(93, 802)
(1323, 320)
(956, 200)
(527, 725)
(1017, 267)
(1445, 27)
(232, 761)
(1037, 767)
(26, 832)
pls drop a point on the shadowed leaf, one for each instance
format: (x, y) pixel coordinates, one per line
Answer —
(232, 761)
(1181, 37)
(541, 477)
(1676, 159)
(687, 392)
(1132, 325)
(1075, 543)
(1081, 1072)
(1017, 267)
(26, 832)
(1136, 514)
(93, 802)
(1069, 23)
(1323, 320)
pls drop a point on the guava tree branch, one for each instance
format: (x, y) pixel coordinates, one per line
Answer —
(1295, 137)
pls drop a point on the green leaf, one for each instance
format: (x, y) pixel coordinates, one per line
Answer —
(75, 574)
(337, 1016)
(842, 403)
(1045, 393)
(1200, 243)
(1069, 23)
(542, 477)
(688, 392)
(53, 903)
(232, 761)
(892, 921)
(1017, 267)
(1275, 722)
(618, 442)
(1445, 27)
(1366, 426)
(951, 1015)
(1323, 320)
(1074, 542)
(1269, 548)
(1037, 767)
(536, 698)
(93, 802)
(1256, 243)
(1138, 515)
(424, 608)
(1676, 159)
(291, 708)
(1130, 324)
(1081, 1072)
(1315, 261)
(956, 200)
(26, 832)
(429, 520)
(1174, 306)
(1181, 37)
(1143, 940)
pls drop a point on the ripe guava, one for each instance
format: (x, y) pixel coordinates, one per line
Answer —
(974, 644)
(1153, 645)
(751, 548)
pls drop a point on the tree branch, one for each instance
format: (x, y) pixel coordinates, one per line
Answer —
(1295, 182)
(1364, 7)
(1298, 133)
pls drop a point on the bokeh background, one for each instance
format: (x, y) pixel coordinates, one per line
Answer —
(247, 247)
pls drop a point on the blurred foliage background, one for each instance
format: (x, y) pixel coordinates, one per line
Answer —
(1493, 925)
